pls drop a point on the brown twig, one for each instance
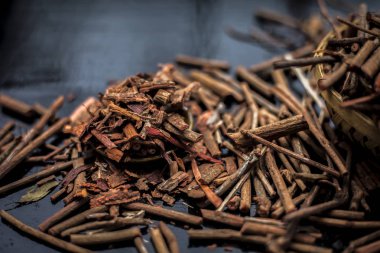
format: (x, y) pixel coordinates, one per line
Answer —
(279, 183)
(50, 170)
(253, 228)
(36, 129)
(66, 246)
(61, 214)
(158, 240)
(300, 62)
(292, 154)
(25, 152)
(346, 22)
(166, 213)
(325, 13)
(272, 131)
(75, 220)
(116, 223)
(362, 241)
(170, 238)
(106, 237)
(139, 244)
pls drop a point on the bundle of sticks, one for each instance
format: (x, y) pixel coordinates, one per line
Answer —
(249, 154)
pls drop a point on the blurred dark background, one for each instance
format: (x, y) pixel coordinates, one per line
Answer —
(49, 48)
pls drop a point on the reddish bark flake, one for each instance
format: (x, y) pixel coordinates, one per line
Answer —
(103, 139)
(114, 154)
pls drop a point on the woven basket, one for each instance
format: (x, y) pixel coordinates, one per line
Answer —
(356, 125)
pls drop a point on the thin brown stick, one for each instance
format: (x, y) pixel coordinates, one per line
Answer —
(262, 201)
(280, 211)
(253, 228)
(266, 65)
(166, 213)
(170, 238)
(75, 220)
(15, 105)
(254, 80)
(222, 235)
(139, 244)
(116, 223)
(329, 80)
(36, 129)
(9, 149)
(265, 182)
(282, 243)
(362, 241)
(346, 214)
(299, 149)
(66, 246)
(232, 192)
(346, 41)
(106, 237)
(218, 87)
(246, 196)
(25, 152)
(35, 177)
(276, 17)
(7, 139)
(6, 128)
(273, 130)
(158, 240)
(57, 151)
(369, 248)
(287, 165)
(292, 190)
(339, 223)
(301, 62)
(61, 214)
(346, 22)
(360, 100)
(57, 195)
(325, 13)
(292, 154)
(279, 183)
(222, 218)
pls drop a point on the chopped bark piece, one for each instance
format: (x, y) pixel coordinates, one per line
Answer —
(177, 121)
(210, 171)
(168, 199)
(173, 182)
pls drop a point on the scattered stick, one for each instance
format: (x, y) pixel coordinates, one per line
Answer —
(66, 246)
(61, 214)
(166, 213)
(25, 152)
(169, 237)
(158, 240)
(106, 237)
(50, 170)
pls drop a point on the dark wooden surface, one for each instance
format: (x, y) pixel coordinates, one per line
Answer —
(48, 48)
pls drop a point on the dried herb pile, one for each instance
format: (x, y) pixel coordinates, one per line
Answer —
(247, 153)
